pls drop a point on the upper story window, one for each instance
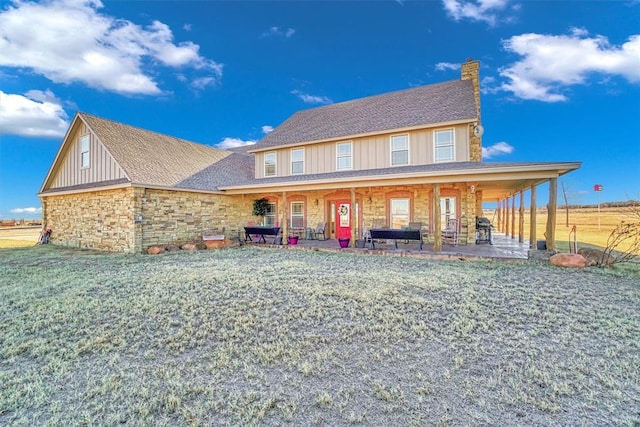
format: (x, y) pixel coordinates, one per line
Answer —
(84, 151)
(399, 150)
(297, 161)
(444, 145)
(345, 158)
(270, 164)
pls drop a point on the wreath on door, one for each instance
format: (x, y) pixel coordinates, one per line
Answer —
(343, 210)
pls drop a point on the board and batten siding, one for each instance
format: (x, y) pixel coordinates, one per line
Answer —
(370, 152)
(102, 166)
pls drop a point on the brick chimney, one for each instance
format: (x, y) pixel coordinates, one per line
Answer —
(470, 70)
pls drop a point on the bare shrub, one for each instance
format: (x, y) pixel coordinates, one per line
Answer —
(623, 244)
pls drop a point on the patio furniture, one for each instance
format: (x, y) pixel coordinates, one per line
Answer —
(450, 232)
(320, 229)
(395, 234)
(261, 231)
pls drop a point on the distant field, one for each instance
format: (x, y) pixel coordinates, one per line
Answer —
(585, 220)
(18, 237)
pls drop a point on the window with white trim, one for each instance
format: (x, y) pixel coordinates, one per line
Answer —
(270, 217)
(399, 213)
(297, 215)
(399, 150)
(270, 164)
(297, 161)
(84, 151)
(344, 156)
(443, 145)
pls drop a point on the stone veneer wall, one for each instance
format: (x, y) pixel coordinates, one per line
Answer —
(470, 70)
(179, 217)
(95, 220)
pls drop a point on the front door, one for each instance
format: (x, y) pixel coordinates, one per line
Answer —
(343, 219)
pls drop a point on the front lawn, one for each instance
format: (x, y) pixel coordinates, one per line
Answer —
(257, 336)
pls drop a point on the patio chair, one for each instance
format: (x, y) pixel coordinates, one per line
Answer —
(320, 230)
(450, 232)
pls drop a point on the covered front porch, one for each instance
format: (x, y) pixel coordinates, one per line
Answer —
(432, 198)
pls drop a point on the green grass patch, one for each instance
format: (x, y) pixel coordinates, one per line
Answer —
(266, 336)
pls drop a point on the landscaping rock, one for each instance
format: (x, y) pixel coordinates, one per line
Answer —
(217, 244)
(189, 247)
(172, 248)
(155, 250)
(568, 260)
(596, 257)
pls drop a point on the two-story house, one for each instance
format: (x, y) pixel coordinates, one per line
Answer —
(413, 155)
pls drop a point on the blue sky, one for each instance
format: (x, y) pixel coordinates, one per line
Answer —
(560, 80)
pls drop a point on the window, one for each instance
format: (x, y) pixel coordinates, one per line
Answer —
(399, 212)
(270, 217)
(447, 210)
(344, 156)
(297, 161)
(84, 151)
(443, 142)
(297, 214)
(270, 164)
(399, 150)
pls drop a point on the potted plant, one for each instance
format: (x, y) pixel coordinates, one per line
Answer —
(260, 208)
(343, 242)
(293, 240)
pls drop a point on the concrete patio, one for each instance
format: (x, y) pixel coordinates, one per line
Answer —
(503, 248)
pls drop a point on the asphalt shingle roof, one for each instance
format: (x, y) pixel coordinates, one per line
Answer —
(153, 158)
(420, 106)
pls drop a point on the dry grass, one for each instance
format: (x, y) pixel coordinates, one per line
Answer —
(264, 336)
(18, 237)
(585, 219)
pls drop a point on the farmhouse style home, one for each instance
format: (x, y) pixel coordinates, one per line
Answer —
(411, 156)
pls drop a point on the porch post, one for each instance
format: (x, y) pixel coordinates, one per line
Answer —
(437, 226)
(513, 217)
(353, 218)
(499, 209)
(506, 217)
(552, 208)
(521, 218)
(285, 216)
(532, 219)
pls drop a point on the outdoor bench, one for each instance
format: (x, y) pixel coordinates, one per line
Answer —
(394, 234)
(261, 231)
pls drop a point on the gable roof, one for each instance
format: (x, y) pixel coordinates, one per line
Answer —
(421, 106)
(147, 157)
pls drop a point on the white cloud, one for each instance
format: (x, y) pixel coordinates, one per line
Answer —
(233, 142)
(70, 41)
(187, 27)
(36, 114)
(28, 211)
(443, 66)
(311, 99)
(497, 149)
(475, 10)
(551, 63)
(267, 129)
(278, 32)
